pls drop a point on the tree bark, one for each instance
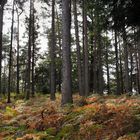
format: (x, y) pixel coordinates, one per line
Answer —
(138, 48)
(1, 29)
(100, 66)
(52, 54)
(121, 71)
(17, 89)
(60, 56)
(137, 63)
(85, 47)
(33, 51)
(78, 49)
(10, 59)
(28, 91)
(66, 53)
(95, 78)
(126, 80)
(117, 64)
(131, 71)
(107, 67)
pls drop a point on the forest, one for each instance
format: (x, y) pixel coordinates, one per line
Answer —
(69, 69)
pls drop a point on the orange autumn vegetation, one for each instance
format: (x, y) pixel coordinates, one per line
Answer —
(97, 118)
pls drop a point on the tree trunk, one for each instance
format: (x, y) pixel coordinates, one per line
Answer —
(85, 47)
(52, 54)
(33, 51)
(138, 48)
(100, 66)
(78, 49)
(126, 80)
(131, 72)
(28, 91)
(137, 63)
(1, 29)
(17, 90)
(107, 67)
(121, 71)
(66, 51)
(95, 78)
(117, 64)
(10, 59)
(60, 56)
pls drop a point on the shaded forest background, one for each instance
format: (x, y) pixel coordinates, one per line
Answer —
(93, 47)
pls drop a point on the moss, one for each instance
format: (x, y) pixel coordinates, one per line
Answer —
(12, 129)
(72, 115)
(51, 131)
(8, 128)
(46, 137)
(10, 112)
(66, 132)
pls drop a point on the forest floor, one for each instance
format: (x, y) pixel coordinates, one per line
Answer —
(96, 118)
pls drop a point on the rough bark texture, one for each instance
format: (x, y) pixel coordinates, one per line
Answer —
(66, 47)
(121, 71)
(137, 63)
(52, 54)
(117, 64)
(33, 51)
(17, 90)
(2, 4)
(78, 49)
(126, 79)
(10, 59)
(85, 47)
(28, 90)
(131, 71)
(60, 53)
(1, 29)
(107, 68)
(95, 67)
(100, 66)
(138, 48)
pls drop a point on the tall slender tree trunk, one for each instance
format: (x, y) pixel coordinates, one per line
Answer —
(131, 71)
(137, 76)
(78, 49)
(60, 56)
(137, 63)
(138, 48)
(126, 80)
(28, 90)
(85, 47)
(107, 68)
(1, 30)
(52, 54)
(10, 59)
(33, 51)
(108, 74)
(121, 70)
(4, 88)
(91, 74)
(66, 51)
(100, 66)
(83, 51)
(95, 66)
(117, 64)
(17, 90)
